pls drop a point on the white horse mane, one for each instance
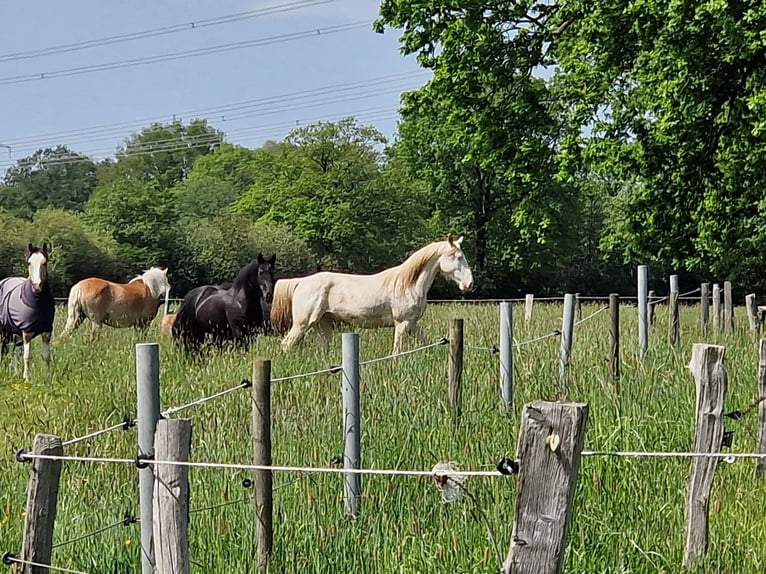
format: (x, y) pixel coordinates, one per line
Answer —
(405, 275)
(155, 279)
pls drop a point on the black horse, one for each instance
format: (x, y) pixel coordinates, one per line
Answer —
(226, 313)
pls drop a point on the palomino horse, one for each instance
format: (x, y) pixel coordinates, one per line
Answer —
(395, 296)
(265, 282)
(231, 314)
(27, 308)
(117, 304)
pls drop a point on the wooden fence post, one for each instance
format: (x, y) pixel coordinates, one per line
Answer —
(760, 466)
(567, 331)
(652, 305)
(148, 410)
(643, 311)
(455, 367)
(172, 442)
(674, 329)
(352, 431)
(529, 300)
(704, 307)
(549, 447)
(752, 315)
(728, 308)
(506, 353)
(578, 303)
(614, 335)
(711, 380)
(42, 500)
(262, 479)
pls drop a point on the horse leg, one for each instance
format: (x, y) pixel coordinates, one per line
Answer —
(26, 339)
(46, 340)
(419, 333)
(324, 333)
(400, 328)
(302, 324)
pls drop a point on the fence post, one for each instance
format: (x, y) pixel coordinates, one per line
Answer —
(549, 447)
(167, 300)
(455, 367)
(643, 316)
(578, 302)
(172, 441)
(262, 479)
(352, 432)
(704, 307)
(652, 305)
(728, 309)
(529, 300)
(614, 335)
(711, 380)
(148, 394)
(506, 352)
(760, 466)
(674, 330)
(752, 315)
(567, 330)
(716, 307)
(42, 499)
(674, 283)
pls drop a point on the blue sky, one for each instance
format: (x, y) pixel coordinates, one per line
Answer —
(253, 93)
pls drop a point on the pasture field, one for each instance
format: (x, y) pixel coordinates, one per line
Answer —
(629, 514)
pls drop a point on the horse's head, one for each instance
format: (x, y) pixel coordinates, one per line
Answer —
(266, 276)
(156, 280)
(38, 266)
(453, 265)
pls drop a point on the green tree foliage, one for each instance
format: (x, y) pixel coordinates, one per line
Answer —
(50, 178)
(13, 248)
(327, 183)
(673, 97)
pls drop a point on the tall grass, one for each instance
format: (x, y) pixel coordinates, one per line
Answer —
(628, 516)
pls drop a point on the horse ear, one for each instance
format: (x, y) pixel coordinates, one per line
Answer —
(260, 258)
(30, 247)
(272, 260)
(451, 240)
(165, 271)
(458, 241)
(45, 248)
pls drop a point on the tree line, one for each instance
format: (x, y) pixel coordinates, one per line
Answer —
(567, 141)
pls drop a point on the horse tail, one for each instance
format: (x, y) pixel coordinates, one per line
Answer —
(184, 328)
(282, 305)
(75, 312)
(168, 321)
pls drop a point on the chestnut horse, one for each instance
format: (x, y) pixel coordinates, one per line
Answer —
(27, 309)
(395, 296)
(132, 304)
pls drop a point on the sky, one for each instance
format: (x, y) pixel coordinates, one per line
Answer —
(256, 69)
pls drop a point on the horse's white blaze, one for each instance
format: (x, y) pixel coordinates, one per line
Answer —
(37, 272)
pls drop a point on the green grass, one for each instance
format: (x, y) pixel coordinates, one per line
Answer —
(629, 513)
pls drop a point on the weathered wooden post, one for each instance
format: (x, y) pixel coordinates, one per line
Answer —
(262, 479)
(148, 410)
(529, 300)
(704, 307)
(711, 380)
(42, 502)
(549, 447)
(674, 328)
(643, 315)
(614, 335)
(567, 332)
(760, 466)
(352, 431)
(716, 307)
(578, 304)
(752, 315)
(652, 304)
(506, 353)
(172, 442)
(455, 367)
(728, 308)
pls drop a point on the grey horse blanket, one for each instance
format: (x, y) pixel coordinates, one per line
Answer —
(23, 310)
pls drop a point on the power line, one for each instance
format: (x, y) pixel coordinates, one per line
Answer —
(281, 38)
(295, 96)
(188, 26)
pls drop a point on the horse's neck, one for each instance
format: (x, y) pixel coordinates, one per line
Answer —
(426, 278)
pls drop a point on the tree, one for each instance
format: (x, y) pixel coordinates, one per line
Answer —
(55, 178)
(326, 183)
(673, 97)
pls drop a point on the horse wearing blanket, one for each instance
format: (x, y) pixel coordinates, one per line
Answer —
(27, 309)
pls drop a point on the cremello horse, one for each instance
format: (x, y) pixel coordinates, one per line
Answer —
(395, 296)
(27, 309)
(117, 304)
